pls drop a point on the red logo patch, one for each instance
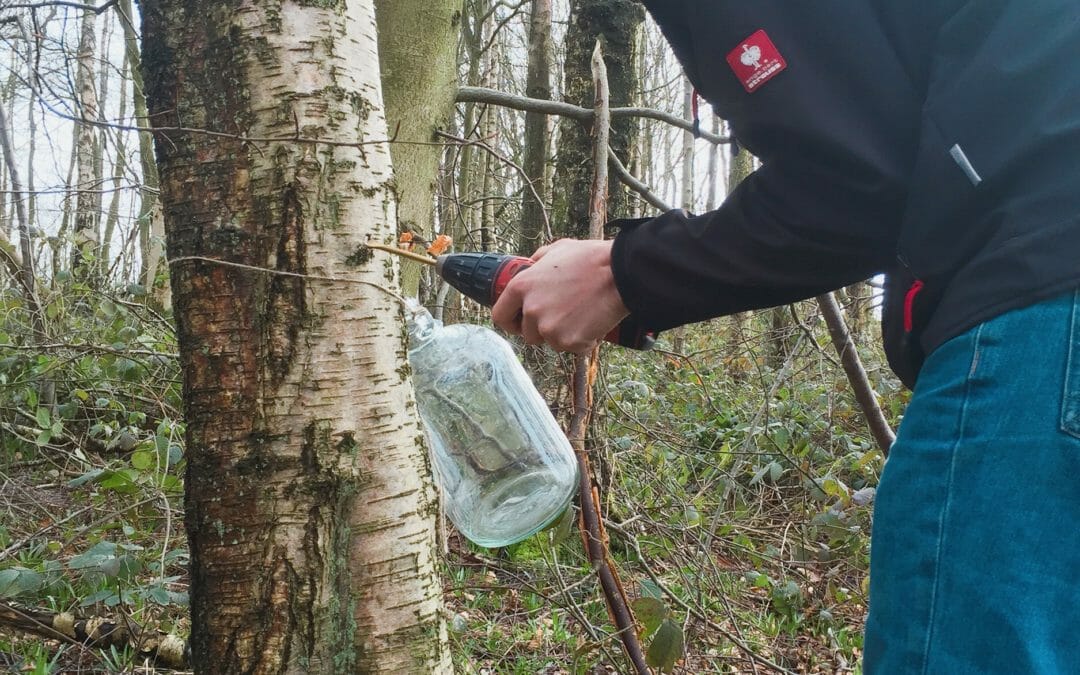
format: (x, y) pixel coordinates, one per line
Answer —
(756, 61)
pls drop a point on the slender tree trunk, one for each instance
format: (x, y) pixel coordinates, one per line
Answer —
(616, 23)
(474, 20)
(856, 374)
(714, 169)
(417, 48)
(149, 220)
(70, 205)
(112, 218)
(537, 138)
(742, 165)
(102, 143)
(687, 159)
(87, 240)
(309, 507)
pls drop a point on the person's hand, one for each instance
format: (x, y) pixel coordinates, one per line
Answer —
(567, 299)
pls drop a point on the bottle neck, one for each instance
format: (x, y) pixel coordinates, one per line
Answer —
(421, 325)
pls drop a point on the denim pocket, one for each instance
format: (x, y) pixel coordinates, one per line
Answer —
(1070, 402)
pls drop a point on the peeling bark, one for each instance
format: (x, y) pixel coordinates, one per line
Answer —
(310, 510)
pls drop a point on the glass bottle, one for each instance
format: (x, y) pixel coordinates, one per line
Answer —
(505, 467)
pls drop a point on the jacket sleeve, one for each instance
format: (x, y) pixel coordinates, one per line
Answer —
(786, 233)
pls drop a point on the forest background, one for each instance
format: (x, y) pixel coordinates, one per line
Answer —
(734, 464)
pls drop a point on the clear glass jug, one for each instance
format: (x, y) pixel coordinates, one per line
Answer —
(505, 467)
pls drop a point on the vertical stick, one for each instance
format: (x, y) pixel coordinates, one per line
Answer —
(592, 525)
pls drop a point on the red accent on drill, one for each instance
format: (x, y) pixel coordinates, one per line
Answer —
(484, 276)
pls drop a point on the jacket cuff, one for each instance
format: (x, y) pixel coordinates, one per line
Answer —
(625, 282)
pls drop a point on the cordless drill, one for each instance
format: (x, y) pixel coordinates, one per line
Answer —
(484, 276)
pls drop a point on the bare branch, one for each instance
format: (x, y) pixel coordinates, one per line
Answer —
(168, 650)
(630, 181)
(96, 9)
(523, 103)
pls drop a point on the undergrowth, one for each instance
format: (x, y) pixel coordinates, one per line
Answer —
(735, 469)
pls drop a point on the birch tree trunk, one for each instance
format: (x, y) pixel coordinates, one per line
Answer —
(686, 162)
(84, 261)
(309, 507)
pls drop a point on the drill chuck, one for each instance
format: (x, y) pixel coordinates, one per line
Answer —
(476, 275)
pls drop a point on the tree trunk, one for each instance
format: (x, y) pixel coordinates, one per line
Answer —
(417, 48)
(85, 254)
(741, 166)
(310, 510)
(686, 162)
(616, 23)
(150, 220)
(537, 85)
(112, 219)
(473, 21)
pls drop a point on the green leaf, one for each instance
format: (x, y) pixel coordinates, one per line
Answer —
(776, 471)
(834, 488)
(92, 557)
(159, 595)
(43, 418)
(176, 453)
(43, 438)
(122, 481)
(16, 581)
(651, 590)
(142, 460)
(666, 647)
(650, 612)
(104, 595)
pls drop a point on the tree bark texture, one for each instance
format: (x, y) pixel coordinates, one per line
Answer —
(616, 23)
(309, 508)
(537, 138)
(88, 196)
(417, 50)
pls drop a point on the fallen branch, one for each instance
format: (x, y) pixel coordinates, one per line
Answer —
(98, 633)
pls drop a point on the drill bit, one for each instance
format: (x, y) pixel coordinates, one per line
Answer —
(415, 257)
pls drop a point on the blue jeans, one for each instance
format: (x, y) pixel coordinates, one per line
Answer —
(976, 541)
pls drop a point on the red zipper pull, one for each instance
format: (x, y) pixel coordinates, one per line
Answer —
(909, 305)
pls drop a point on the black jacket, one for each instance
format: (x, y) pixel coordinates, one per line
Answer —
(938, 143)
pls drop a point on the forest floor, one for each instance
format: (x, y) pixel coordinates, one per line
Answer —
(737, 484)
